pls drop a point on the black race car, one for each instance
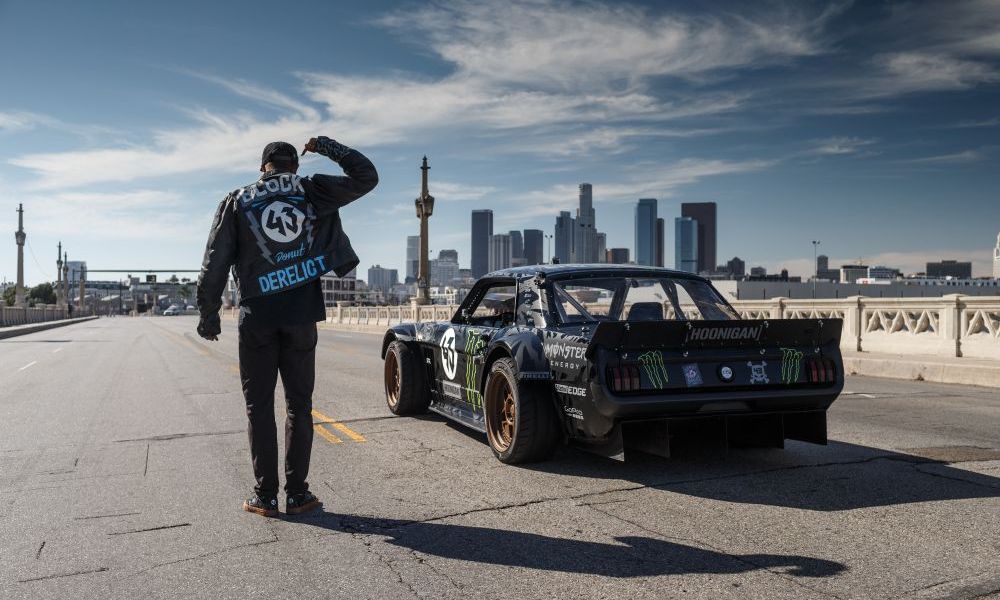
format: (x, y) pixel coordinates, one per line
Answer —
(613, 357)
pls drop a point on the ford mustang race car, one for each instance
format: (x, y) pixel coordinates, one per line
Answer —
(613, 357)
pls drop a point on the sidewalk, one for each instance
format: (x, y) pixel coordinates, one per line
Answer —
(16, 330)
(925, 367)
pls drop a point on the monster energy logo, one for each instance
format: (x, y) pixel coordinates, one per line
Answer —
(474, 344)
(652, 362)
(791, 364)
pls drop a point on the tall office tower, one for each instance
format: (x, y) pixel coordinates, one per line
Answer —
(996, 259)
(534, 247)
(444, 268)
(705, 214)
(686, 244)
(822, 263)
(736, 267)
(950, 268)
(645, 232)
(602, 248)
(412, 257)
(382, 279)
(585, 232)
(618, 256)
(564, 237)
(661, 242)
(500, 256)
(516, 244)
(482, 229)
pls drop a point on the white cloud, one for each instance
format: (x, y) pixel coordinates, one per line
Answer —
(966, 156)
(842, 145)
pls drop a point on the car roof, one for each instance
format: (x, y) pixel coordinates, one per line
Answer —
(571, 270)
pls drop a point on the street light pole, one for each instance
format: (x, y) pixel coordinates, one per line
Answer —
(815, 266)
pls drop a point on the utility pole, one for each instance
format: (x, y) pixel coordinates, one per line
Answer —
(425, 207)
(60, 290)
(83, 285)
(65, 278)
(815, 266)
(19, 237)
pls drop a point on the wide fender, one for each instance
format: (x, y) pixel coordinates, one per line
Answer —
(525, 347)
(404, 332)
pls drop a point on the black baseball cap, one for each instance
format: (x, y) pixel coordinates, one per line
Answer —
(279, 152)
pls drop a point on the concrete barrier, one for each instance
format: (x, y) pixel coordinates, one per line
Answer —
(14, 331)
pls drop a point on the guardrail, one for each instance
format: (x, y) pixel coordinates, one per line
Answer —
(952, 325)
(12, 315)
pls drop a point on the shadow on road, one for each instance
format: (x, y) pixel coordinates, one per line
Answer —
(841, 476)
(632, 556)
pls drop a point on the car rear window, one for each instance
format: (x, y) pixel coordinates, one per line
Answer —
(637, 299)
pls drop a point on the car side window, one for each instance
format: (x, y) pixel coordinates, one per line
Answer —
(496, 306)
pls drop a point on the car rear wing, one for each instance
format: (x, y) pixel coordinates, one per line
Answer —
(697, 335)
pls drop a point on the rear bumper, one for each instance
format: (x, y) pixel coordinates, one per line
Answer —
(608, 410)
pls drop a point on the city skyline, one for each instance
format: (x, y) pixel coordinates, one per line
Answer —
(796, 119)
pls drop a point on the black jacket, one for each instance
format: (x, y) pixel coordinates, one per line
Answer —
(281, 232)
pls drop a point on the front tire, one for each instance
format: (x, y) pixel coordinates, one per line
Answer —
(520, 422)
(405, 389)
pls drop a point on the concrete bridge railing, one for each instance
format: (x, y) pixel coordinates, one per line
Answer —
(952, 325)
(11, 315)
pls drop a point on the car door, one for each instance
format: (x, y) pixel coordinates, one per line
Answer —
(491, 308)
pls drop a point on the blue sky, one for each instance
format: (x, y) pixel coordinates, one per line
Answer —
(870, 126)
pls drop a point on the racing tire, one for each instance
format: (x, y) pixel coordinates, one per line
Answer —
(521, 423)
(405, 389)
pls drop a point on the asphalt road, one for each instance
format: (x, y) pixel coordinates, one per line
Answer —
(124, 460)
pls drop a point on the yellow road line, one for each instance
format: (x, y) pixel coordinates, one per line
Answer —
(326, 434)
(354, 435)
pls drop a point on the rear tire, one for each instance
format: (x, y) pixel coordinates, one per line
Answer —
(406, 390)
(520, 420)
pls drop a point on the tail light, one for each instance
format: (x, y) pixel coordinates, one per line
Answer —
(624, 379)
(822, 370)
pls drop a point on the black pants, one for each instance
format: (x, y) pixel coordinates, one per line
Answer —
(264, 352)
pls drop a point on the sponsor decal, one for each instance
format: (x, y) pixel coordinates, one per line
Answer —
(652, 362)
(692, 375)
(474, 346)
(744, 333)
(572, 391)
(449, 358)
(791, 365)
(574, 413)
(726, 373)
(452, 389)
(292, 275)
(282, 222)
(758, 373)
(564, 355)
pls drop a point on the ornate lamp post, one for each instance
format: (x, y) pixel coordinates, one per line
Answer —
(59, 279)
(19, 237)
(425, 207)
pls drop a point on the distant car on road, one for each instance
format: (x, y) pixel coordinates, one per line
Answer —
(613, 357)
(173, 311)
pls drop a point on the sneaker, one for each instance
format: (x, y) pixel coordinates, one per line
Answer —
(267, 507)
(300, 503)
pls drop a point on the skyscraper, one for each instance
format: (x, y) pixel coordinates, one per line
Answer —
(500, 256)
(412, 257)
(996, 259)
(705, 214)
(482, 229)
(618, 256)
(444, 268)
(661, 242)
(645, 232)
(585, 227)
(516, 244)
(602, 248)
(686, 244)
(382, 279)
(564, 237)
(534, 247)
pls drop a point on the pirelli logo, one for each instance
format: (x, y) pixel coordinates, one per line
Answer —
(744, 333)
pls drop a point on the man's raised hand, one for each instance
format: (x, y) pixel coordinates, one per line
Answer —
(310, 146)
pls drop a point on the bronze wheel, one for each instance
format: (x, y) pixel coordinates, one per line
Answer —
(503, 413)
(392, 381)
(406, 391)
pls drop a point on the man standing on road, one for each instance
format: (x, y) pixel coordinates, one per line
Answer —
(279, 235)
